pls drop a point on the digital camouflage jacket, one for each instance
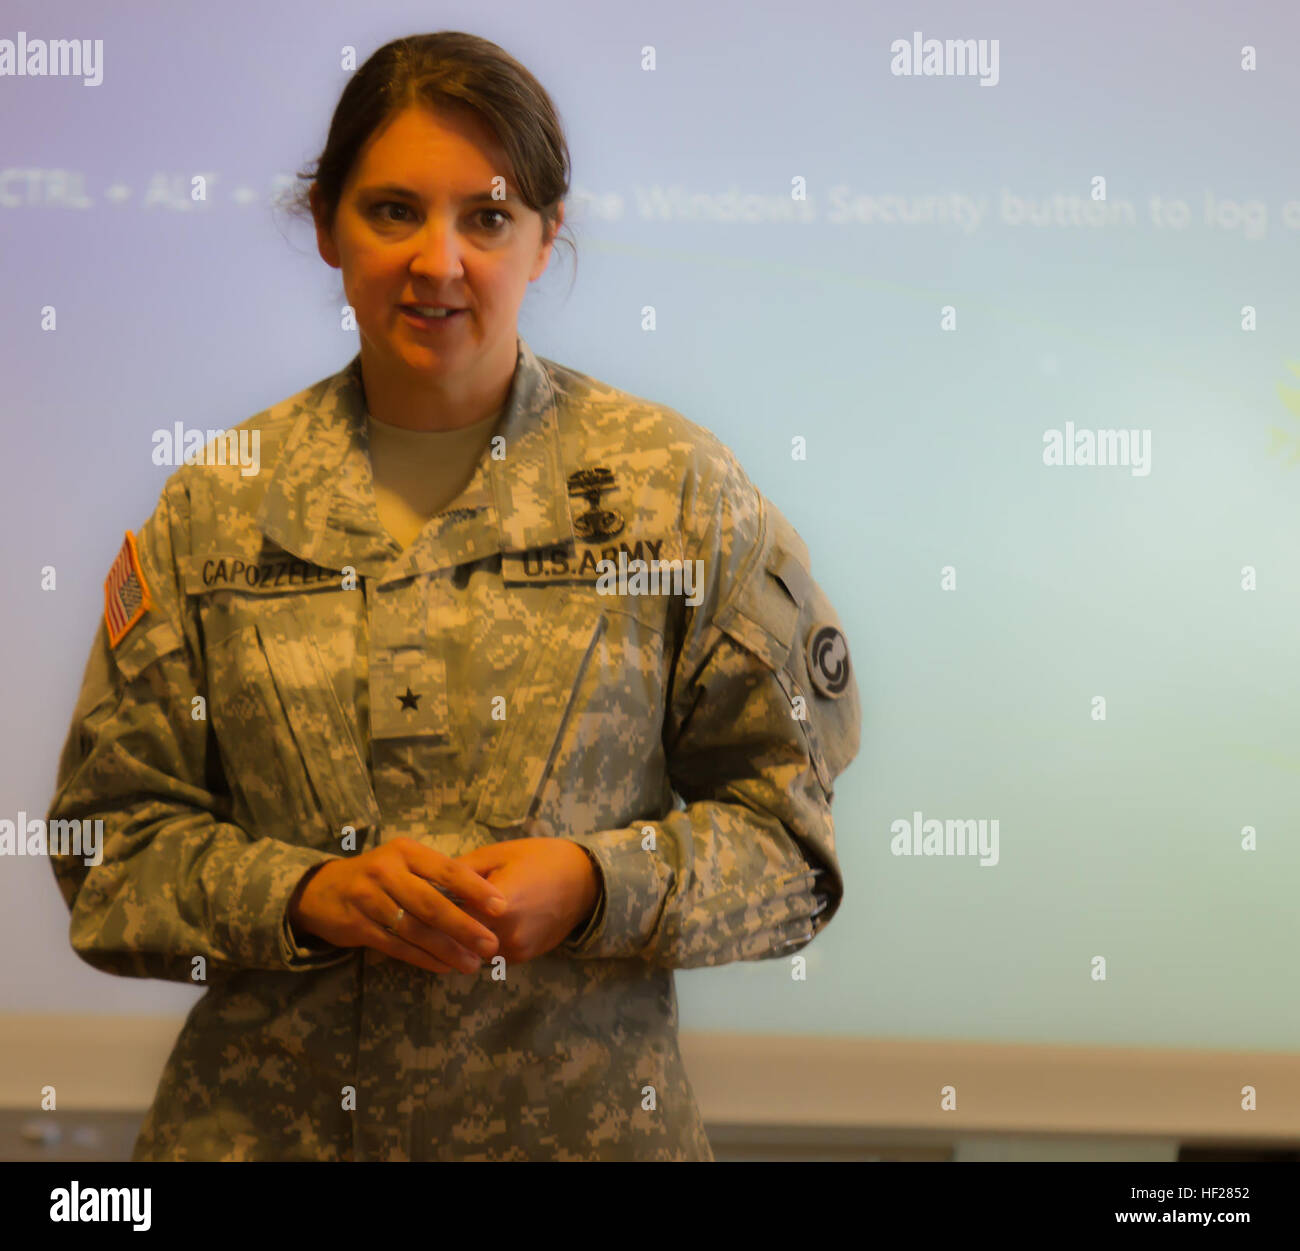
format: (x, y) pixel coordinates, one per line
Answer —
(288, 685)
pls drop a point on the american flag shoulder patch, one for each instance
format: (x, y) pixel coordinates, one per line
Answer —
(126, 594)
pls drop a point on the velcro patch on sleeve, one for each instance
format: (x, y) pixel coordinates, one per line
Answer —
(126, 594)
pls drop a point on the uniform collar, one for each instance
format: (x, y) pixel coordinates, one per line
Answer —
(319, 503)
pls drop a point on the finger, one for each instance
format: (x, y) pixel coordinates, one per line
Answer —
(443, 935)
(468, 880)
(441, 946)
(483, 859)
(403, 943)
(457, 878)
(375, 936)
(426, 904)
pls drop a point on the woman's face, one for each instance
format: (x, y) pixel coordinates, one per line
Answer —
(416, 224)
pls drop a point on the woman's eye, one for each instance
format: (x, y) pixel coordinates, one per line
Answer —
(493, 226)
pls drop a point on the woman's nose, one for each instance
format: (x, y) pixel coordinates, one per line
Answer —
(438, 249)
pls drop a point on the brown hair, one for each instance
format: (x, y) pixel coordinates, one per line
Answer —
(448, 69)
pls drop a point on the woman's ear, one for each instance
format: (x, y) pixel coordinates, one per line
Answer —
(324, 238)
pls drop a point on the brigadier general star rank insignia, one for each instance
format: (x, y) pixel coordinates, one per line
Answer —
(596, 523)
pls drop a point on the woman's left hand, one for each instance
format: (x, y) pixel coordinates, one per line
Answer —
(550, 886)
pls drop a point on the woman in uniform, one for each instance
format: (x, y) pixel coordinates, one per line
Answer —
(495, 695)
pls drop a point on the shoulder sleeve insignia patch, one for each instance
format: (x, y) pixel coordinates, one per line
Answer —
(828, 660)
(126, 595)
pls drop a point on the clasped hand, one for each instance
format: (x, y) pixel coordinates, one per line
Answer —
(519, 899)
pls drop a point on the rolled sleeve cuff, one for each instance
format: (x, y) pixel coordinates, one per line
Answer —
(631, 897)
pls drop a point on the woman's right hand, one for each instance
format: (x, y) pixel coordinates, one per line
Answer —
(348, 902)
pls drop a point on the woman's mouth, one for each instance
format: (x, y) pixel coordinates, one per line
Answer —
(426, 317)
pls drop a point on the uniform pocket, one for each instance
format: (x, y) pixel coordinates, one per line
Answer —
(288, 747)
(539, 707)
(763, 613)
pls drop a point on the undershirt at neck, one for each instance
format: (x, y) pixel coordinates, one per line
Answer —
(417, 473)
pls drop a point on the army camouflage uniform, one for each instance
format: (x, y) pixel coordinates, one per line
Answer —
(349, 683)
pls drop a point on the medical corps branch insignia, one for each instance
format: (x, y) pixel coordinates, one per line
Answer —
(126, 595)
(828, 660)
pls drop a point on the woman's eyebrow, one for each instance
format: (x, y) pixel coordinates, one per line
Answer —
(392, 188)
